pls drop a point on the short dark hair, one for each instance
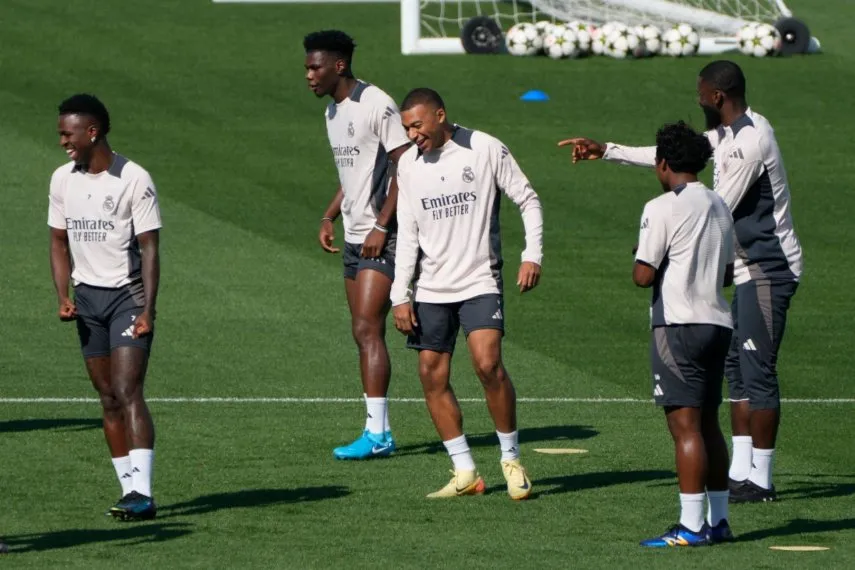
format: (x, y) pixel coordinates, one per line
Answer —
(332, 41)
(725, 76)
(85, 104)
(682, 148)
(422, 96)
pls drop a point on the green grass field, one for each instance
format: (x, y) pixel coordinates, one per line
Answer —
(211, 100)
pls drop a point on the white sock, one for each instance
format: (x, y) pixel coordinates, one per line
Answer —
(740, 464)
(460, 455)
(365, 399)
(386, 427)
(376, 410)
(123, 472)
(718, 509)
(761, 467)
(141, 463)
(509, 442)
(692, 511)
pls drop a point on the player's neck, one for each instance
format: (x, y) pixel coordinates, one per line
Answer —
(681, 179)
(733, 112)
(344, 88)
(101, 159)
(447, 133)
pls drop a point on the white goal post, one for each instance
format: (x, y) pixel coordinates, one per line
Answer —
(434, 26)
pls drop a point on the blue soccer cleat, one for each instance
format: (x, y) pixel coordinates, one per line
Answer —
(678, 535)
(134, 507)
(720, 533)
(367, 446)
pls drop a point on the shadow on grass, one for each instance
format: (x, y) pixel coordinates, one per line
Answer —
(129, 535)
(584, 481)
(250, 499)
(798, 526)
(70, 424)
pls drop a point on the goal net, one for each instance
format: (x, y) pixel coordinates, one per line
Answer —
(434, 26)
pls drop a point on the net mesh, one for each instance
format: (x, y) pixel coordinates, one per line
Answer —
(446, 18)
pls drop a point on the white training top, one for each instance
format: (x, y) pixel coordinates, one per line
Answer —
(103, 213)
(362, 130)
(687, 237)
(750, 176)
(448, 218)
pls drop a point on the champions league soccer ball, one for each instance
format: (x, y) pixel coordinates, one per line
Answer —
(681, 40)
(583, 35)
(544, 27)
(622, 43)
(600, 36)
(759, 40)
(561, 42)
(523, 39)
(650, 39)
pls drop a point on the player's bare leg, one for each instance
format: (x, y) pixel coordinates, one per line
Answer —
(684, 423)
(485, 348)
(435, 373)
(128, 369)
(98, 368)
(368, 300)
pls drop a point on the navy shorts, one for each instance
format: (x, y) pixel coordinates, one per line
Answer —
(105, 318)
(354, 262)
(759, 319)
(687, 362)
(439, 324)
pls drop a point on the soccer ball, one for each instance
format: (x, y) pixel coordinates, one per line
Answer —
(622, 43)
(600, 36)
(544, 27)
(561, 42)
(583, 35)
(681, 40)
(650, 39)
(523, 39)
(759, 40)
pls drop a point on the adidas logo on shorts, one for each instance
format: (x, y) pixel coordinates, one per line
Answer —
(657, 391)
(749, 345)
(497, 316)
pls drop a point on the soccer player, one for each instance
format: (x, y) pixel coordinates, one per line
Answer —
(749, 175)
(104, 225)
(366, 136)
(686, 253)
(448, 214)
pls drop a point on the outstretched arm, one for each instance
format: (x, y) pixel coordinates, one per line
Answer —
(589, 149)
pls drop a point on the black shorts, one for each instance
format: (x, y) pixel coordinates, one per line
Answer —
(105, 318)
(688, 364)
(438, 324)
(354, 263)
(759, 319)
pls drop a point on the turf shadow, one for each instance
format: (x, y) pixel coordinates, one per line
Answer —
(126, 535)
(252, 498)
(583, 481)
(73, 424)
(526, 435)
(797, 490)
(798, 526)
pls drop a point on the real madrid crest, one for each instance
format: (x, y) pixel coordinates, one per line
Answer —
(350, 130)
(109, 205)
(468, 175)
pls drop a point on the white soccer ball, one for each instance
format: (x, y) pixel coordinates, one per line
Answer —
(622, 43)
(523, 39)
(600, 36)
(561, 42)
(681, 40)
(650, 38)
(544, 27)
(759, 40)
(583, 35)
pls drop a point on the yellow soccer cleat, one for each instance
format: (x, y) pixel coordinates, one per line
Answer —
(462, 483)
(519, 485)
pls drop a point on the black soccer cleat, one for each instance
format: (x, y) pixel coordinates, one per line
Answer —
(750, 492)
(134, 507)
(734, 485)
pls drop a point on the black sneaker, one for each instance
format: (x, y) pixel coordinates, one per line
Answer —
(734, 485)
(750, 492)
(134, 507)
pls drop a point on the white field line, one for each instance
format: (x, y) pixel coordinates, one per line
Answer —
(309, 400)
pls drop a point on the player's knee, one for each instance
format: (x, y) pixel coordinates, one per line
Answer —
(127, 395)
(110, 403)
(489, 371)
(434, 376)
(366, 330)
